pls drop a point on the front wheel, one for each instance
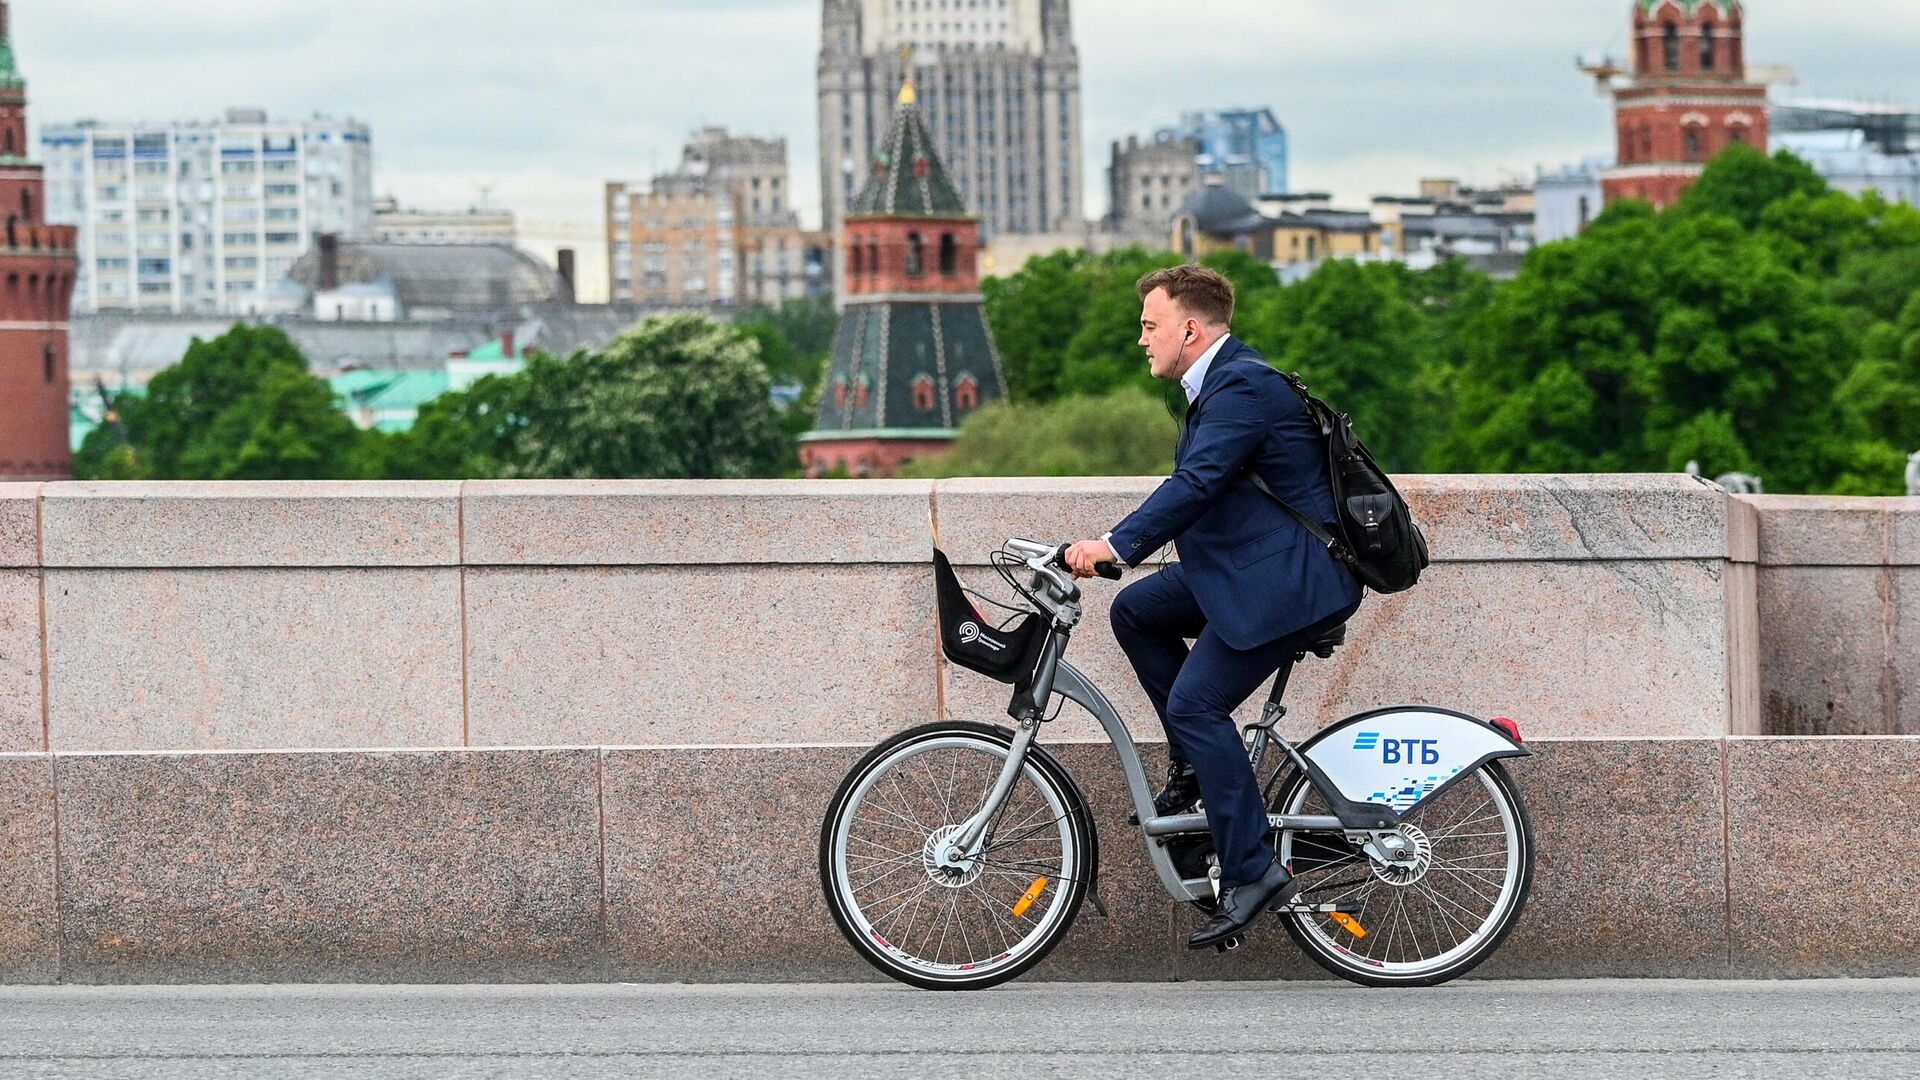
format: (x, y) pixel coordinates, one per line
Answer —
(1431, 917)
(947, 927)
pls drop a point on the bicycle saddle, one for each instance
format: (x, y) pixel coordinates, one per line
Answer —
(1324, 645)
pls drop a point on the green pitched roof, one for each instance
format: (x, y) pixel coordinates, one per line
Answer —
(907, 179)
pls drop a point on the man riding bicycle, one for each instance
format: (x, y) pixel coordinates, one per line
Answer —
(1251, 585)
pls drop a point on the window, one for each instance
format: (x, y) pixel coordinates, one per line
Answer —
(966, 393)
(1736, 133)
(46, 360)
(1693, 144)
(923, 397)
(1672, 43)
(915, 254)
(949, 255)
(855, 265)
(1706, 47)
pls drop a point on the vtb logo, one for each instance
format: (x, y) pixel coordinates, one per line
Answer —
(1399, 751)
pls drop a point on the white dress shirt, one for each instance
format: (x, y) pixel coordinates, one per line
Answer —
(1191, 382)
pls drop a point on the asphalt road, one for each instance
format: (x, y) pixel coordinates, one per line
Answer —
(1775, 1030)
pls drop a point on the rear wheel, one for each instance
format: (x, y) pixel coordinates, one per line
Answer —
(1434, 915)
(943, 926)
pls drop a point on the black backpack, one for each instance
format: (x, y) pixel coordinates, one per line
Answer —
(1374, 532)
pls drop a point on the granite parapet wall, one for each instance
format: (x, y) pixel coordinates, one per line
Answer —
(268, 616)
(1839, 601)
(1672, 857)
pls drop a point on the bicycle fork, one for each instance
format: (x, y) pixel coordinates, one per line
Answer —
(958, 850)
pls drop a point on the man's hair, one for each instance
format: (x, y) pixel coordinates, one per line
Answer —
(1202, 292)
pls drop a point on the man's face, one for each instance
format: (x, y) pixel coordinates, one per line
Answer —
(1164, 327)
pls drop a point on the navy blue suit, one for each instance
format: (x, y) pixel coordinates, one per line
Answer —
(1252, 583)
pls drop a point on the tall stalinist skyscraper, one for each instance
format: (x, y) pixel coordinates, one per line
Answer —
(999, 86)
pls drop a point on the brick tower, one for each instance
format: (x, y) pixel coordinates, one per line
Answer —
(37, 265)
(913, 355)
(1689, 98)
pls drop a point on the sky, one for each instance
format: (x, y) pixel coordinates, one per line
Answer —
(535, 105)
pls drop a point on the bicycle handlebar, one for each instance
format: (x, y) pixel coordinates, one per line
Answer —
(1109, 570)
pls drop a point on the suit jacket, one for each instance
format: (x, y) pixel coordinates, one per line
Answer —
(1257, 573)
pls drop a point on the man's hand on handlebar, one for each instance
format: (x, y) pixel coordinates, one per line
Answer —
(1091, 558)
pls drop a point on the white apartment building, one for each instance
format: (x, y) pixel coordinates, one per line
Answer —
(203, 216)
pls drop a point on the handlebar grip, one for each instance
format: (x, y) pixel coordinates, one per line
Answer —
(1110, 571)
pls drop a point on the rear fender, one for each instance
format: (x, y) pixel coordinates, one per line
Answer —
(1403, 755)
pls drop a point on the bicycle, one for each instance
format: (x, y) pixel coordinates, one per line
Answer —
(956, 855)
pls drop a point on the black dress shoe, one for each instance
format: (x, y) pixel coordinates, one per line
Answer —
(1242, 904)
(1181, 792)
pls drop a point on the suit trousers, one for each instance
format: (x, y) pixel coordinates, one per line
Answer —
(1195, 691)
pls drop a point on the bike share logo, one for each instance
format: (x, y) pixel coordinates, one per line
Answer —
(1399, 751)
(970, 633)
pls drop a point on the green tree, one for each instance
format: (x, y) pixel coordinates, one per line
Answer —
(675, 397)
(1654, 340)
(796, 338)
(1034, 312)
(1126, 433)
(1883, 392)
(242, 406)
(1360, 344)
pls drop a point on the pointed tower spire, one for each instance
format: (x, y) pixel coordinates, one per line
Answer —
(913, 356)
(9, 74)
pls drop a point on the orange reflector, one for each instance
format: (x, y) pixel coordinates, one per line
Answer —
(1349, 924)
(1027, 898)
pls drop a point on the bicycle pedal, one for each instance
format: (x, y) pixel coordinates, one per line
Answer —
(1227, 945)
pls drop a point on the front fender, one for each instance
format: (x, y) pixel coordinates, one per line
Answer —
(1403, 755)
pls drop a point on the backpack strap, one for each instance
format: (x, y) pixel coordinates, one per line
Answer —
(1334, 547)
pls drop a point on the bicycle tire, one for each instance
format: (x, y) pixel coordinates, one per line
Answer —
(1040, 768)
(1310, 933)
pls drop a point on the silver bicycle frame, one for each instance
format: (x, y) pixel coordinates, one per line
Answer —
(1057, 676)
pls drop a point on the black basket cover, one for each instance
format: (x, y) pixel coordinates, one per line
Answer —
(968, 639)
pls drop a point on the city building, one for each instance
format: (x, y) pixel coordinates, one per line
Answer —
(719, 230)
(1857, 146)
(197, 216)
(1491, 229)
(1567, 199)
(371, 282)
(999, 86)
(912, 356)
(1147, 182)
(1245, 148)
(395, 224)
(754, 169)
(40, 267)
(1689, 98)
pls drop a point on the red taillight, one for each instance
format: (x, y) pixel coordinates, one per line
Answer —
(1512, 729)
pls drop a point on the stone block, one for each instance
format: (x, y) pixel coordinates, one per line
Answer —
(1566, 648)
(29, 918)
(1821, 530)
(22, 718)
(1824, 663)
(1542, 642)
(327, 523)
(1819, 885)
(702, 655)
(253, 659)
(1630, 862)
(669, 522)
(20, 524)
(712, 864)
(1903, 531)
(453, 866)
(975, 515)
(1603, 516)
